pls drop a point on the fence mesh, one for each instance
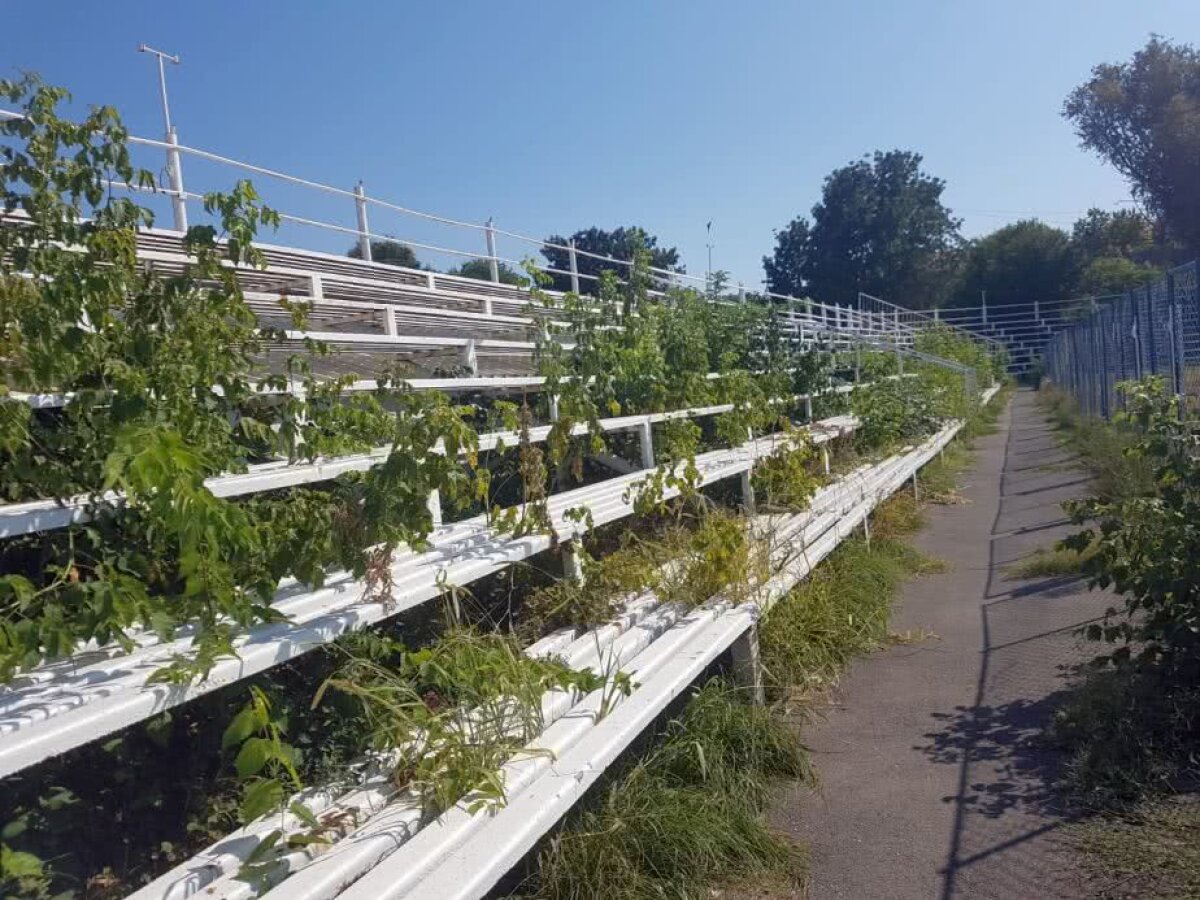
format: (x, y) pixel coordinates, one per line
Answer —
(1152, 330)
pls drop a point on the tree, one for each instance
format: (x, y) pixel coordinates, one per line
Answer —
(391, 253)
(880, 228)
(1019, 263)
(1126, 233)
(1114, 275)
(1115, 250)
(1143, 117)
(619, 244)
(785, 267)
(481, 270)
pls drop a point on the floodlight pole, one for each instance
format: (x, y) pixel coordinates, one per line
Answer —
(174, 168)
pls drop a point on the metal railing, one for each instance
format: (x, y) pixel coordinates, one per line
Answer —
(327, 208)
(1151, 330)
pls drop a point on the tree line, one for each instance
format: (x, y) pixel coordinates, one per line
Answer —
(881, 226)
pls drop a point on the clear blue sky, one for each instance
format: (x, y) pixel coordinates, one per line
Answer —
(556, 116)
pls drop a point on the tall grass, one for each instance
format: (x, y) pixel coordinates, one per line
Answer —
(1103, 448)
(686, 813)
(843, 608)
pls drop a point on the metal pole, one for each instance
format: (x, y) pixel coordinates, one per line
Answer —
(174, 168)
(175, 173)
(858, 344)
(899, 359)
(493, 263)
(983, 295)
(364, 230)
(574, 260)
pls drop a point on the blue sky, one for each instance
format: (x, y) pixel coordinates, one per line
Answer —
(552, 117)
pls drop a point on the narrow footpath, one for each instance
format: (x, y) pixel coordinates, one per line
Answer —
(933, 773)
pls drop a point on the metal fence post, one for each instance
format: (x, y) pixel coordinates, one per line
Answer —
(1175, 333)
(493, 263)
(175, 173)
(364, 231)
(896, 339)
(574, 260)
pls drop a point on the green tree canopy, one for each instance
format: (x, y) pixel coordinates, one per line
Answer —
(1019, 263)
(1143, 117)
(620, 244)
(392, 253)
(785, 267)
(1114, 275)
(481, 270)
(1126, 233)
(880, 228)
(1115, 250)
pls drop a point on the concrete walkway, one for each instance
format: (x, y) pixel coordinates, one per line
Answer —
(933, 774)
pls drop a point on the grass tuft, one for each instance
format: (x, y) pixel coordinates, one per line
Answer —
(1043, 563)
(1151, 852)
(687, 813)
(840, 611)
(1102, 447)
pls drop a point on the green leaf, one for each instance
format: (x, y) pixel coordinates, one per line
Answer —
(18, 864)
(14, 827)
(255, 754)
(249, 720)
(265, 846)
(260, 798)
(305, 815)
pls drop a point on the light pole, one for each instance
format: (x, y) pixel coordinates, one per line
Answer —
(708, 273)
(174, 169)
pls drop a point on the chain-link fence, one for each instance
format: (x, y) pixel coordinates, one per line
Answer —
(1152, 330)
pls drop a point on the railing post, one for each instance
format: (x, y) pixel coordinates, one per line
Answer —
(572, 561)
(858, 343)
(1175, 335)
(175, 173)
(741, 292)
(573, 258)
(435, 507)
(468, 358)
(493, 263)
(747, 667)
(364, 231)
(748, 503)
(808, 409)
(896, 338)
(646, 440)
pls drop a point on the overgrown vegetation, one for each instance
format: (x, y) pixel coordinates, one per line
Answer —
(1104, 448)
(1131, 728)
(842, 609)
(1043, 563)
(167, 380)
(685, 814)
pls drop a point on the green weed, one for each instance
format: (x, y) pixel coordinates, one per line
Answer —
(1043, 563)
(1103, 448)
(686, 814)
(840, 611)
